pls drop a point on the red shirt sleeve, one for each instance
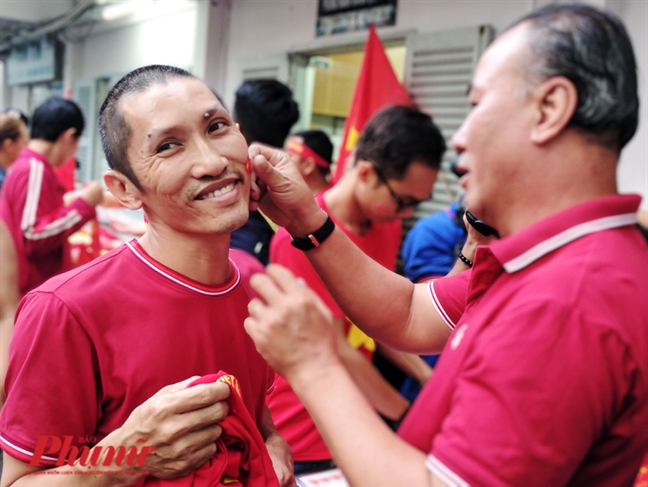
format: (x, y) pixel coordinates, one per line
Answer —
(448, 295)
(282, 252)
(47, 348)
(45, 222)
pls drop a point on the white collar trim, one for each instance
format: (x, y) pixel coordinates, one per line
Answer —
(569, 235)
(189, 286)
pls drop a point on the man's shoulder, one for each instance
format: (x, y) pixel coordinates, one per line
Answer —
(246, 263)
(98, 272)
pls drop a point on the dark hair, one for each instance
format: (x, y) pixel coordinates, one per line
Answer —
(114, 131)
(266, 111)
(319, 143)
(54, 116)
(397, 136)
(591, 48)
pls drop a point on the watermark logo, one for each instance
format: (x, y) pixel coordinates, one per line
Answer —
(68, 454)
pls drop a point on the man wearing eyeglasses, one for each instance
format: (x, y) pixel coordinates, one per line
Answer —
(396, 163)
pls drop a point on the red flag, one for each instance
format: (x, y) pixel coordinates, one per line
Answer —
(377, 87)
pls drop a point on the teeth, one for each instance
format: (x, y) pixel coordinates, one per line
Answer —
(218, 192)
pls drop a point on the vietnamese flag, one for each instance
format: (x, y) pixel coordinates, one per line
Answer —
(377, 87)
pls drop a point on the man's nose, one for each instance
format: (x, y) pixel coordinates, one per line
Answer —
(208, 160)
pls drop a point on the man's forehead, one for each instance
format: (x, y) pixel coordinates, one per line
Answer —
(508, 54)
(178, 95)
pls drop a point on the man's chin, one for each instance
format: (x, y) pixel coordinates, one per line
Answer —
(237, 221)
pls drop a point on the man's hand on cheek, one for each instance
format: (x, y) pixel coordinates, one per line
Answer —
(282, 193)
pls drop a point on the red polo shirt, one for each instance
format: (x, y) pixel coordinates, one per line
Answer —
(544, 380)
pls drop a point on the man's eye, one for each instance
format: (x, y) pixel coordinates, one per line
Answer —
(166, 146)
(216, 126)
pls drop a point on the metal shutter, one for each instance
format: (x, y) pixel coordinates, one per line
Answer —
(438, 71)
(84, 95)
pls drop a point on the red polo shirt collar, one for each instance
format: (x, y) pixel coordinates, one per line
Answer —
(523, 248)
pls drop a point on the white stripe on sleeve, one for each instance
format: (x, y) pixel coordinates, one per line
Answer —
(444, 473)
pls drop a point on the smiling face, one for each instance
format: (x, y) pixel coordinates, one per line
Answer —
(189, 157)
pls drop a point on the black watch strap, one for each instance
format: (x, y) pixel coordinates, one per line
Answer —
(316, 238)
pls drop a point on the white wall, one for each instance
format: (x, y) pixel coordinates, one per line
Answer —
(149, 37)
(262, 28)
(633, 168)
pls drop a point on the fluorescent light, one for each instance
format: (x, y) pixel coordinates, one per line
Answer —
(118, 10)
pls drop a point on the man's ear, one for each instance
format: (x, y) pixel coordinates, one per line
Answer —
(365, 170)
(68, 135)
(123, 189)
(557, 99)
(308, 166)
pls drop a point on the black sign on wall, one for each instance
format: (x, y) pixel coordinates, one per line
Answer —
(336, 16)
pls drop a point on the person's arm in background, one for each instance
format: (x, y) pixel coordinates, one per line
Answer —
(45, 226)
(413, 365)
(381, 395)
(279, 451)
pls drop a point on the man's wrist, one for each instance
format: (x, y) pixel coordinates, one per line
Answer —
(315, 238)
(306, 226)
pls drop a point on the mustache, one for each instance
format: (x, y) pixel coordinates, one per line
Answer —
(200, 184)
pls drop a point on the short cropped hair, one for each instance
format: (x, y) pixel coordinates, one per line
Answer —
(396, 137)
(591, 48)
(265, 111)
(319, 143)
(114, 131)
(54, 116)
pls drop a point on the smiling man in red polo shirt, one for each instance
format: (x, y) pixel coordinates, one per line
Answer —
(544, 378)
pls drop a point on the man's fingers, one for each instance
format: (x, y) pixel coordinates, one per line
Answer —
(284, 278)
(186, 400)
(267, 289)
(178, 386)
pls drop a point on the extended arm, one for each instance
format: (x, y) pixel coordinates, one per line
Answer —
(366, 450)
(390, 308)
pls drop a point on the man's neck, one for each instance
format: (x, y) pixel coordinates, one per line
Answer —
(342, 204)
(204, 259)
(316, 184)
(564, 179)
(47, 149)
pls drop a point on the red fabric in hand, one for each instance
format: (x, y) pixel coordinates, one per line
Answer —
(241, 457)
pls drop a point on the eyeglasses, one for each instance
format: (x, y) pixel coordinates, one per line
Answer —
(400, 203)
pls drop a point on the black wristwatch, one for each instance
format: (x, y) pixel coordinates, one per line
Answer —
(316, 238)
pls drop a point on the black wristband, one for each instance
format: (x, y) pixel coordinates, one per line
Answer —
(316, 238)
(465, 259)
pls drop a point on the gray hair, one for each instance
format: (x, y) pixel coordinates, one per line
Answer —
(592, 49)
